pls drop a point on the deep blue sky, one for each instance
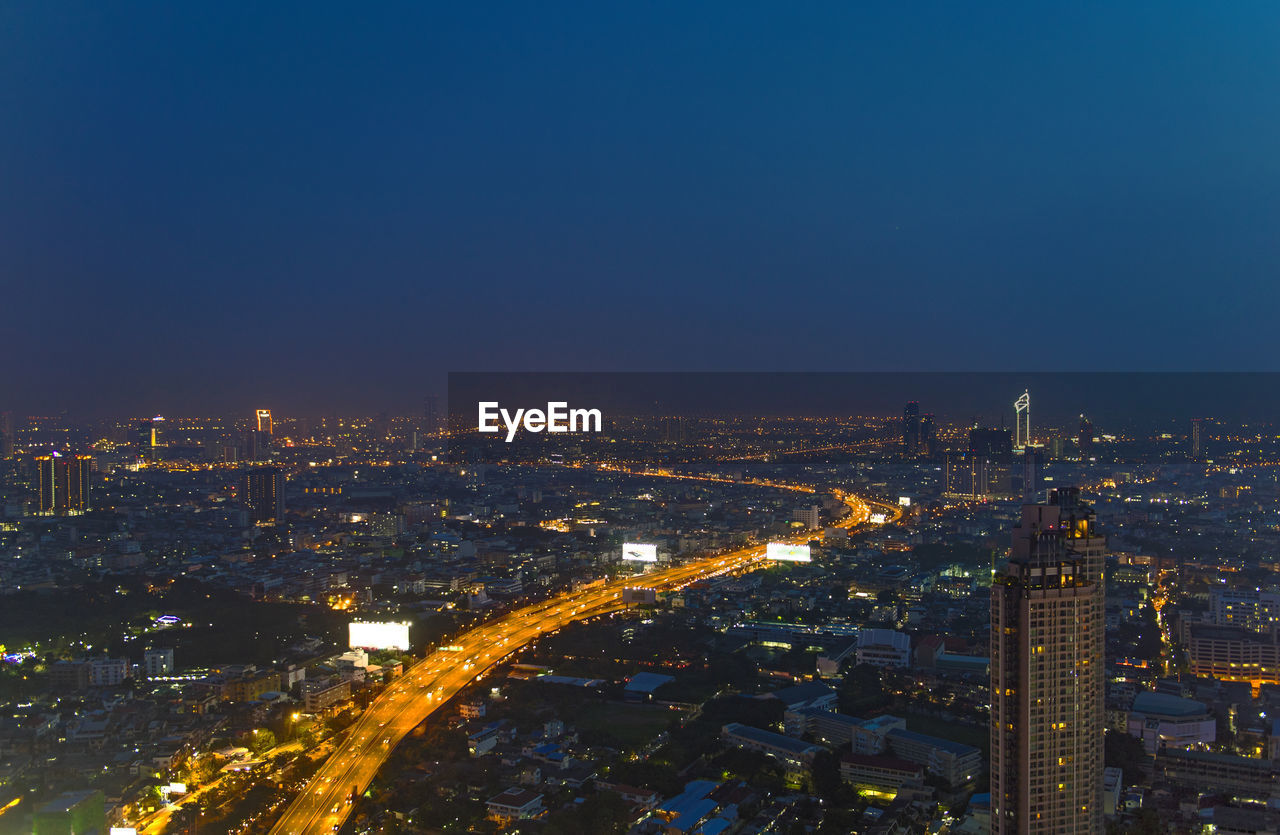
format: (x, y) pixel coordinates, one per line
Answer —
(329, 205)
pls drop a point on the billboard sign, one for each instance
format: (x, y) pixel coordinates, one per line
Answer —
(638, 552)
(787, 553)
(388, 635)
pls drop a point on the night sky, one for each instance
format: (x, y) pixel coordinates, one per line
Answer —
(327, 206)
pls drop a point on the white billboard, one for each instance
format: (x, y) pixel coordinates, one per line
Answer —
(787, 553)
(879, 518)
(904, 501)
(389, 635)
(638, 552)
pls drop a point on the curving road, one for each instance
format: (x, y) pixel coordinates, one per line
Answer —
(324, 804)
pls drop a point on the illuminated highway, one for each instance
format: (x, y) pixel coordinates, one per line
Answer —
(324, 804)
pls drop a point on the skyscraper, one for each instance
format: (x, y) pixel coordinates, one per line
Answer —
(264, 421)
(1047, 629)
(1022, 420)
(911, 428)
(1197, 438)
(928, 435)
(262, 494)
(145, 438)
(63, 483)
(1085, 439)
(1032, 462)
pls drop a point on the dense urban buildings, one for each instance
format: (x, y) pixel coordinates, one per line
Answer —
(592, 639)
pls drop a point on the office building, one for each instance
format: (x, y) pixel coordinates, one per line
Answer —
(1084, 440)
(967, 477)
(1233, 653)
(1022, 420)
(995, 444)
(1252, 609)
(928, 435)
(1032, 462)
(1197, 439)
(262, 494)
(911, 428)
(1047, 628)
(264, 424)
(63, 483)
(144, 437)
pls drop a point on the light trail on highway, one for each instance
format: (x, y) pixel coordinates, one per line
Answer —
(325, 803)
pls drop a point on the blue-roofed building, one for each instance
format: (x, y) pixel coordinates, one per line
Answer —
(684, 812)
(704, 807)
(1164, 721)
(954, 762)
(795, 753)
(813, 694)
(640, 687)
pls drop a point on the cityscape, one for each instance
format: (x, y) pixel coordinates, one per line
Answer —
(879, 623)
(663, 418)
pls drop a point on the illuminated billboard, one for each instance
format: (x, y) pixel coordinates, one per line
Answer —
(904, 501)
(787, 553)
(879, 518)
(638, 552)
(389, 635)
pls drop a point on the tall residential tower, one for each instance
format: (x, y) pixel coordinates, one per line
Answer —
(1047, 631)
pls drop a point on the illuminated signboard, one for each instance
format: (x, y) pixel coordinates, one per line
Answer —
(787, 553)
(637, 552)
(904, 501)
(879, 518)
(389, 635)
(122, 830)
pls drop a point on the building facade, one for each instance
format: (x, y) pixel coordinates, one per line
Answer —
(1047, 671)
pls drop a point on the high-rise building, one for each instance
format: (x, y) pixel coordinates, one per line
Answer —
(63, 483)
(928, 436)
(7, 438)
(262, 494)
(264, 422)
(1032, 461)
(1047, 631)
(968, 477)
(911, 428)
(1197, 438)
(996, 444)
(145, 438)
(1022, 420)
(1085, 439)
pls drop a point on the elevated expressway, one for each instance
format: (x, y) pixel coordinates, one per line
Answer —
(322, 806)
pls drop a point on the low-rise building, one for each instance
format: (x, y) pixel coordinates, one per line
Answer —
(514, 804)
